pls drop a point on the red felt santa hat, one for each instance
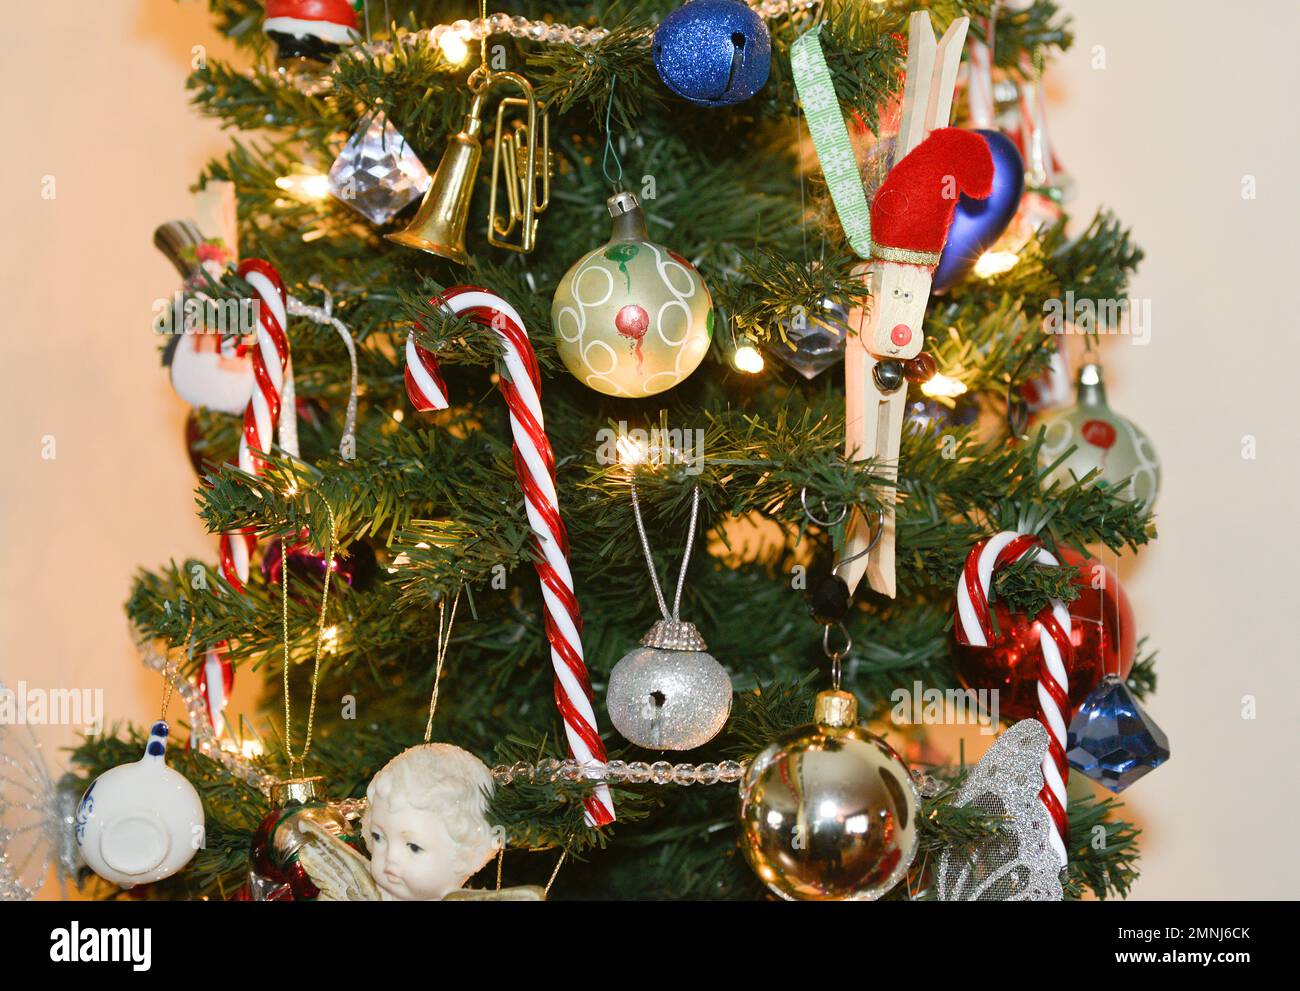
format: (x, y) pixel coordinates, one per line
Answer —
(913, 207)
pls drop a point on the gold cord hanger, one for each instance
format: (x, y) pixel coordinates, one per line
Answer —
(299, 760)
(444, 640)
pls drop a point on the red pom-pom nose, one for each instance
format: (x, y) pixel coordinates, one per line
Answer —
(901, 334)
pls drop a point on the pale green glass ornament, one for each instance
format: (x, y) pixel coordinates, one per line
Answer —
(632, 318)
(1101, 439)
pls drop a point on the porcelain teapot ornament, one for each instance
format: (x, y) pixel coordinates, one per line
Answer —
(141, 822)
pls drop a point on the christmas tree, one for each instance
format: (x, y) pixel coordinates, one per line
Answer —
(403, 533)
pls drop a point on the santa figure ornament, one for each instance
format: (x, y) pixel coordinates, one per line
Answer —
(310, 29)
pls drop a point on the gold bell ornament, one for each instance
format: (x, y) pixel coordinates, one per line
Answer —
(521, 160)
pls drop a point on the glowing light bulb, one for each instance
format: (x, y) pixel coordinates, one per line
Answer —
(993, 263)
(943, 386)
(631, 452)
(748, 358)
(329, 639)
(454, 47)
(249, 748)
(310, 186)
(398, 415)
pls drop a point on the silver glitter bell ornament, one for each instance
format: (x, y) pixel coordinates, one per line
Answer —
(828, 811)
(669, 693)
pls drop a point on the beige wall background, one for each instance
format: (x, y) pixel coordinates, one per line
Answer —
(1161, 111)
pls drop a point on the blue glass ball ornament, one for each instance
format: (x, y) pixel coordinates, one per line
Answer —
(977, 224)
(713, 52)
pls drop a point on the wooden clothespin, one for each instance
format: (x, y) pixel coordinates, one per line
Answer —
(910, 215)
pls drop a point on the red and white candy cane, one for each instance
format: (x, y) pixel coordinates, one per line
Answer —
(535, 467)
(975, 627)
(215, 683)
(271, 402)
(270, 361)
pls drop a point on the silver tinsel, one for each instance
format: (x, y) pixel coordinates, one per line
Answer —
(36, 816)
(1017, 864)
(668, 699)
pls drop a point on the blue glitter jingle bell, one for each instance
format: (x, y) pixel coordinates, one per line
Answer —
(1112, 740)
(713, 52)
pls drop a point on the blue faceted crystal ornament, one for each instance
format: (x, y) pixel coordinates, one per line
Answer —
(713, 52)
(1112, 740)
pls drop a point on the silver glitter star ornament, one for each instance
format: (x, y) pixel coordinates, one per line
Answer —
(36, 815)
(1017, 863)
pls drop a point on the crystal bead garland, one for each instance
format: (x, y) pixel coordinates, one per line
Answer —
(637, 772)
(202, 738)
(521, 27)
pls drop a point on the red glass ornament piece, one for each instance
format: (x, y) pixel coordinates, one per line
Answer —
(192, 437)
(1102, 632)
(632, 321)
(307, 564)
(1098, 433)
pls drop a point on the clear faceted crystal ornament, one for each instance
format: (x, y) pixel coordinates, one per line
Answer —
(1112, 740)
(816, 339)
(377, 173)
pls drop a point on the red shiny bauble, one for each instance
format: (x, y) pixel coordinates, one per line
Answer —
(205, 454)
(1101, 629)
(355, 570)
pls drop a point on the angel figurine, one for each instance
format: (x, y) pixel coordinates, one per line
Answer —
(427, 830)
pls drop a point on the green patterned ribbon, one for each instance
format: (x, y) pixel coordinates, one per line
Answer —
(830, 138)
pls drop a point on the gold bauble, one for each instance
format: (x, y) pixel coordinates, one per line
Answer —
(828, 811)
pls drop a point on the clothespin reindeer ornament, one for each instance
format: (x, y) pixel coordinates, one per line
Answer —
(908, 224)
